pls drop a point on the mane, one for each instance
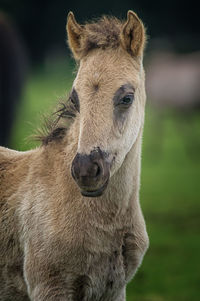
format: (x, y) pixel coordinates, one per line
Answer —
(104, 33)
(55, 127)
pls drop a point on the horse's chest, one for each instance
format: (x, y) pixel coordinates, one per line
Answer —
(103, 281)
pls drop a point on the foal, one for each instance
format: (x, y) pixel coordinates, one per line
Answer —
(71, 226)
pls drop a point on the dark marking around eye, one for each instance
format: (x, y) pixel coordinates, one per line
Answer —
(96, 87)
(75, 100)
(122, 92)
(121, 105)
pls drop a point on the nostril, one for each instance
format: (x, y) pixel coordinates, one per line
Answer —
(74, 172)
(86, 170)
(75, 168)
(98, 170)
(94, 170)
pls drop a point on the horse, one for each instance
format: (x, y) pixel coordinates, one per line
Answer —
(71, 225)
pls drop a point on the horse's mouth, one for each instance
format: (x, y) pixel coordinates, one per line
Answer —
(95, 193)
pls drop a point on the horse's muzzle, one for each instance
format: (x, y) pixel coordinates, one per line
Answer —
(91, 172)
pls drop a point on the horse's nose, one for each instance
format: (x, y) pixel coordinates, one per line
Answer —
(84, 169)
(91, 172)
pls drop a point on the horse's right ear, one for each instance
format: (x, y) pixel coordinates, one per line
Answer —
(74, 32)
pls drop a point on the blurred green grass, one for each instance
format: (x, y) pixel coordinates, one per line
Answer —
(170, 186)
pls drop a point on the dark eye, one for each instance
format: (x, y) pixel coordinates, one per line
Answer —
(74, 100)
(127, 100)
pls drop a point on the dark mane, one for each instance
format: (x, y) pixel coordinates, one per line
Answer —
(105, 33)
(55, 127)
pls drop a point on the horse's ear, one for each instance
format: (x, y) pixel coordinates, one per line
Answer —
(133, 34)
(74, 32)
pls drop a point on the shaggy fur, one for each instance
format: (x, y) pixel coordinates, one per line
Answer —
(103, 34)
(55, 243)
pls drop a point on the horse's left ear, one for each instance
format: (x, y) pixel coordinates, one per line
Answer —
(133, 34)
(74, 32)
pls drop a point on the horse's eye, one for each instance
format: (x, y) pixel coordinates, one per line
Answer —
(74, 103)
(127, 100)
(74, 100)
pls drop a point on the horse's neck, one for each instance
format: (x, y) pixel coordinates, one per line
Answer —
(120, 200)
(124, 184)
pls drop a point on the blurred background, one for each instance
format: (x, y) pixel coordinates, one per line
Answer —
(36, 68)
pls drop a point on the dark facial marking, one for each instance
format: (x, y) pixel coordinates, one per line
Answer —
(122, 101)
(122, 94)
(75, 99)
(96, 87)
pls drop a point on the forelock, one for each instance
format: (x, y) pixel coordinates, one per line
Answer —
(105, 33)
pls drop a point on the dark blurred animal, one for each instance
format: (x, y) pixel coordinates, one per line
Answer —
(71, 226)
(12, 68)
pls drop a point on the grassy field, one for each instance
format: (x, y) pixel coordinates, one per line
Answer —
(170, 187)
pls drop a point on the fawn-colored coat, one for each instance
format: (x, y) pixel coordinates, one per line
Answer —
(71, 226)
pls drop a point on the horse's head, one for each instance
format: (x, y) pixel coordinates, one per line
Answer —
(109, 94)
